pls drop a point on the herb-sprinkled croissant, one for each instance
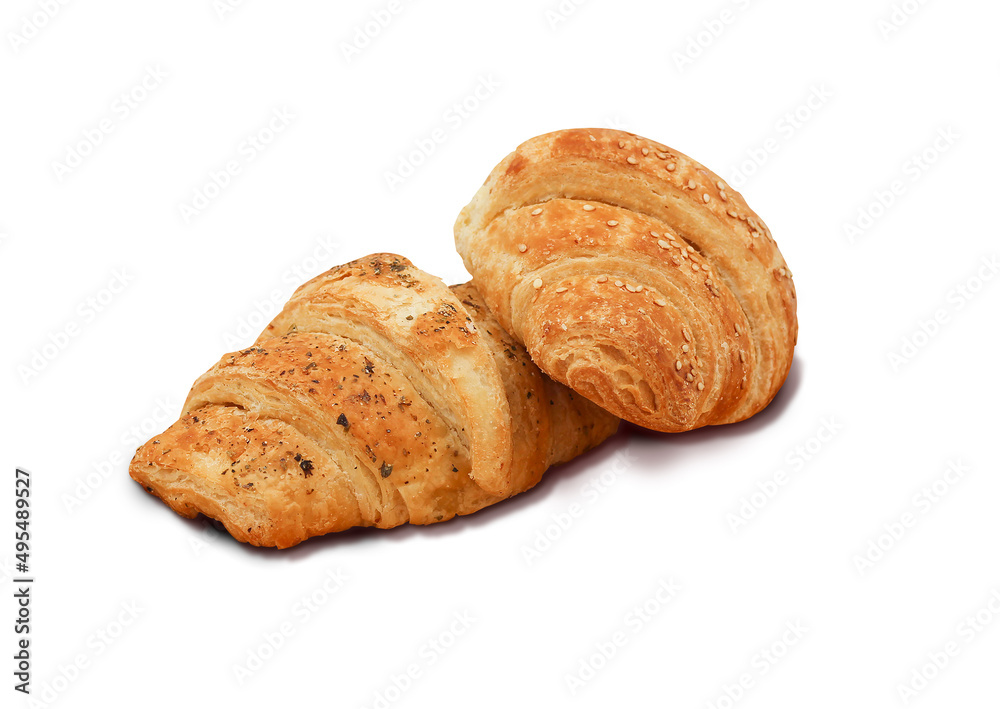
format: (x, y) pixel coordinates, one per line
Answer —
(377, 397)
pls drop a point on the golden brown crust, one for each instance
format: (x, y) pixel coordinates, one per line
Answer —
(377, 397)
(634, 275)
(549, 424)
(411, 319)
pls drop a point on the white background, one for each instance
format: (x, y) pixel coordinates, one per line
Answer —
(862, 154)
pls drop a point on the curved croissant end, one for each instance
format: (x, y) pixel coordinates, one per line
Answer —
(635, 276)
(377, 397)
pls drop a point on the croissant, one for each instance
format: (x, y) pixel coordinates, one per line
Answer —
(635, 276)
(378, 396)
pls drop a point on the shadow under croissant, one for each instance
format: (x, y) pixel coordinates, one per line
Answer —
(591, 460)
(576, 468)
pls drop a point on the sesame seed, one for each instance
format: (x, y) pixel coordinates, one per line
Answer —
(691, 184)
(638, 289)
(686, 334)
(660, 301)
(671, 167)
(621, 143)
(631, 160)
(781, 271)
(662, 244)
(654, 235)
(695, 267)
(661, 156)
(690, 249)
(674, 260)
(619, 284)
(561, 290)
(707, 197)
(630, 288)
(612, 222)
(522, 247)
(743, 357)
(678, 365)
(723, 196)
(645, 151)
(689, 377)
(537, 283)
(701, 386)
(685, 348)
(731, 213)
(721, 185)
(593, 138)
(602, 279)
(536, 212)
(737, 329)
(675, 244)
(589, 208)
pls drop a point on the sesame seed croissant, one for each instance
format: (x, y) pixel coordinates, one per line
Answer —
(378, 396)
(635, 276)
